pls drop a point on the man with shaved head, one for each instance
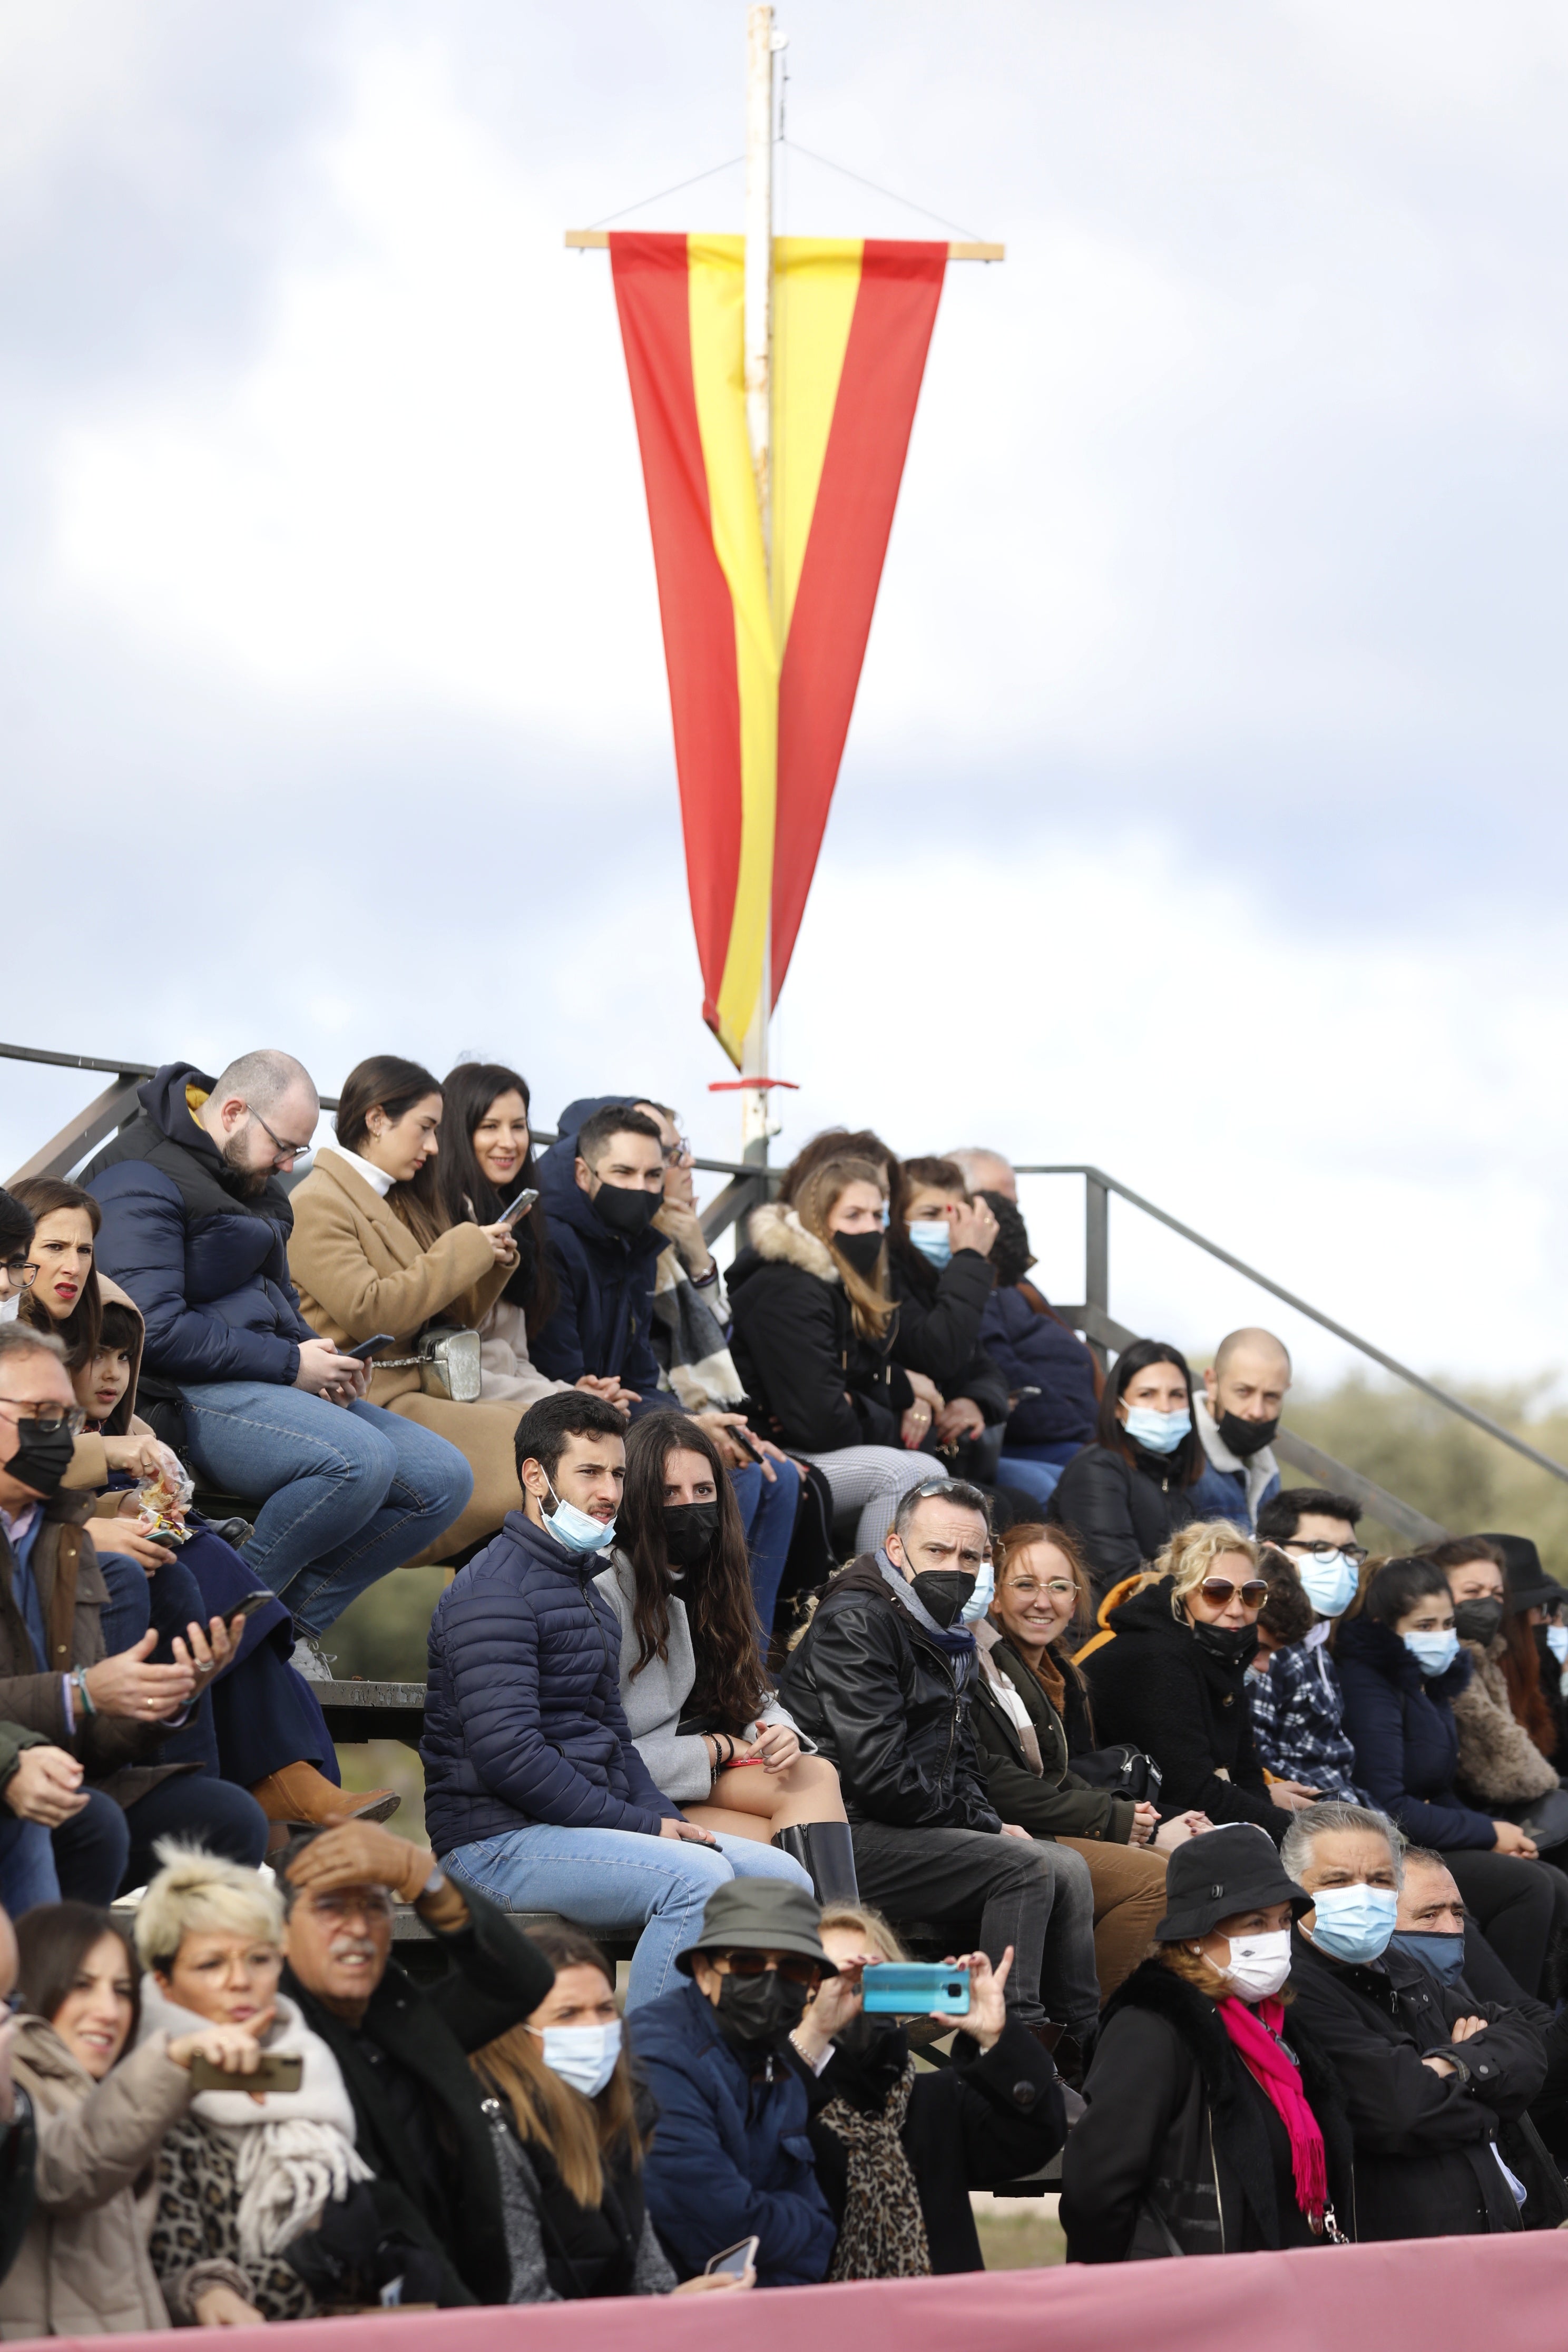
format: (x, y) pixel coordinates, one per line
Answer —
(1238, 1416)
(196, 1227)
(985, 1170)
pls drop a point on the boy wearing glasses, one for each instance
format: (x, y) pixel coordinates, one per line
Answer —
(1296, 1705)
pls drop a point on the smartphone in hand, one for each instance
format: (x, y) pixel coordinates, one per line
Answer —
(735, 2260)
(367, 1348)
(515, 1209)
(272, 2073)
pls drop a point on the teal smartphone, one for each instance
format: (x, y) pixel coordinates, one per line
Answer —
(915, 1988)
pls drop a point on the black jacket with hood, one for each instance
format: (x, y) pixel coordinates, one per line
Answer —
(1123, 1512)
(814, 1382)
(938, 1331)
(604, 1312)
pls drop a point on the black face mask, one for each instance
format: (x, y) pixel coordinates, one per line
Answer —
(1478, 1621)
(626, 1213)
(943, 1591)
(863, 1252)
(689, 1529)
(757, 2011)
(1231, 1644)
(1247, 1438)
(41, 1462)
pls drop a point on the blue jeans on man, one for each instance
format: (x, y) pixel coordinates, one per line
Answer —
(27, 1865)
(768, 1508)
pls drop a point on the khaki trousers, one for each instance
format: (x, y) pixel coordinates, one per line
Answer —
(1128, 1901)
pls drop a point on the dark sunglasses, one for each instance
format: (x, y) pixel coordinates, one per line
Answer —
(794, 1971)
(1219, 1589)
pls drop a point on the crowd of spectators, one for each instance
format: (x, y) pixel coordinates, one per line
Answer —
(841, 1605)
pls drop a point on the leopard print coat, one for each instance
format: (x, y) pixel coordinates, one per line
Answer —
(195, 2232)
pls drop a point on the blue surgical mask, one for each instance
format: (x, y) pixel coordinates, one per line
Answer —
(931, 1238)
(1354, 1923)
(1329, 1580)
(583, 2055)
(575, 1530)
(979, 1601)
(1557, 1643)
(1442, 1957)
(1434, 1653)
(1157, 1432)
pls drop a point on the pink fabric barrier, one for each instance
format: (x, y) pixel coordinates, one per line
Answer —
(1502, 2292)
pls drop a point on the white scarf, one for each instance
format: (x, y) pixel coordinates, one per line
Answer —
(292, 2156)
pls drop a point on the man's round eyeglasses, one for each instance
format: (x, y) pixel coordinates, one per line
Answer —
(22, 1271)
(281, 1151)
(48, 1421)
(1355, 1553)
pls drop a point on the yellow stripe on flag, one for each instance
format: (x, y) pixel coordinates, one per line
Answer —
(715, 277)
(816, 280)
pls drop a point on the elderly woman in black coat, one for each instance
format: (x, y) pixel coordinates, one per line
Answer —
(1213, 2126)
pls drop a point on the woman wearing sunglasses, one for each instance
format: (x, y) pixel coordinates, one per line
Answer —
(1168, 1675)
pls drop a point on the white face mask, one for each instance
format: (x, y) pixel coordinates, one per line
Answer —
(1258, 1964)
(1556, 1635)
(583, 2055)
(980, 1600)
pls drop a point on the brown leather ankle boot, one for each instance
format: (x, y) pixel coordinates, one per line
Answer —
(300, 1793)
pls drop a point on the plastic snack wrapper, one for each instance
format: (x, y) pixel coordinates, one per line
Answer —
(164, 1501)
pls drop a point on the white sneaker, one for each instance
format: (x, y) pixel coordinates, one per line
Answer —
(309, 1658)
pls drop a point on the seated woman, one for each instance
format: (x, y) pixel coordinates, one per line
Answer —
(1506, 1736)
(1400, 1668)
(1034, 1349)
(814, 1320)
(373, 1249)
(1126, 1496)
(1215, 2123)
(101, 2118)
(899, 2150)
(703, 1715)
(569, 2143)
(1029, 1701)
(267, 2194)
(939, 1271)
(1168, 1675)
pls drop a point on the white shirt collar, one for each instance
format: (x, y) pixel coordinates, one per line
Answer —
(378, 1180)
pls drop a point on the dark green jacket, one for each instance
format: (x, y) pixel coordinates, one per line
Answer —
(13, 1739)
(496, 1978)
(1052, 1803)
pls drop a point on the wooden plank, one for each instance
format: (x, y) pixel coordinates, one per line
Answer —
(598, 240)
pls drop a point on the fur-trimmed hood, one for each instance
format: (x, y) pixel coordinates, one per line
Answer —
(777, 1235)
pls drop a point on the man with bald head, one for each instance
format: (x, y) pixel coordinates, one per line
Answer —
(1238, 1416)
(196, 1228)
(985, 1170)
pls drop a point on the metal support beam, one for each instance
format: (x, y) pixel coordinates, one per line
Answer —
(1097, 1259)
(1411, 1525)
(82, 1134)
(733, 1204)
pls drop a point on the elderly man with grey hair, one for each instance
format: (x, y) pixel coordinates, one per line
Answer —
(196, 1227)
(1429, 2074)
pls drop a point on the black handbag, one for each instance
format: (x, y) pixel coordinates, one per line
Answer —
(1125, 1771)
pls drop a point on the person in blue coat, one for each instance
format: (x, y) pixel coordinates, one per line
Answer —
(1038, 1352)
(534, 1792)
(603, 1181)
(1400, 1666)
(730, 2157)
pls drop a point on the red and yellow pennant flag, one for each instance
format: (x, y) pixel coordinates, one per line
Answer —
(763, 678)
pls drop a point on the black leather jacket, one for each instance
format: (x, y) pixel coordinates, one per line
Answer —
(889, 1706)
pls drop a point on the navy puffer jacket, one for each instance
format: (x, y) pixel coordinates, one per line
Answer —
(606, 1311)
(1406, 1740)
(207, 1263)
(523, 1720)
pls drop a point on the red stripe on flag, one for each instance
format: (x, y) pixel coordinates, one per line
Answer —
(695, 607)
(894, 311)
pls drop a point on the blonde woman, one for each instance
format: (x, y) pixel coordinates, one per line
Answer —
(1168, 1674)
(813, 1324)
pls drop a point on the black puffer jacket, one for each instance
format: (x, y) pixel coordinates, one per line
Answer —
(938, 1331)
(890, 1707)
(1124, 1513)
(1178, 2133)
(814, 1383)
(1152, 1685)
(1424, 2161)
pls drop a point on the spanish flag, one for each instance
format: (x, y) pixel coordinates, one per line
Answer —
(763, 678)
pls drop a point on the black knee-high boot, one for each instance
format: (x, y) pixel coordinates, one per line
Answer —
(826, 1851)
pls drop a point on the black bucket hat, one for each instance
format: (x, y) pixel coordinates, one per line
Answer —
(1529, 1586)
(760, 1914)
(1220, 1873)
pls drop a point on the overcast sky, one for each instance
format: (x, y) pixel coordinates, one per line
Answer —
(1201, 814)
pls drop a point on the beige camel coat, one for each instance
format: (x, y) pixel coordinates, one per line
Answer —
(359, 1270)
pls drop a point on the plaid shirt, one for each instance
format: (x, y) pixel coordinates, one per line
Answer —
(1297, 1722)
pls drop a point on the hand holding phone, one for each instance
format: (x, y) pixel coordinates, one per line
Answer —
(916, 1988)
(734, 2262)
(517, 1208)
(270, 2073)
(251, 1602)
(367, 1348)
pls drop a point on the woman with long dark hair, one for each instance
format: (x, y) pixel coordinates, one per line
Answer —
(375, 1249)
(1128, 1493)
(703, 1715)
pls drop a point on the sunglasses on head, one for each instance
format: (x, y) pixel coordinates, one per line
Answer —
(1219, 1589)
(794, 1969)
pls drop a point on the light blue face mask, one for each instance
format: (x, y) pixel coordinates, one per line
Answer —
(583, 2055)
(1434, 1653)
(575, 1530)
(980, 1600)
(931, 1238)
(1157, 1432)
(1329, 1580)
(1354, 1923)
(1557, 1643)
(1442, 1955)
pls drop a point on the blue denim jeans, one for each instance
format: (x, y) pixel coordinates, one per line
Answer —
(614, 1880)
(1037, 1479)
(346, 1492)
(768, 1510)
(27, 1865)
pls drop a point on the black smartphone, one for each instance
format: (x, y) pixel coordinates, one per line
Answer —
(514, 1209)
(742, 1438)
(367, 1348)
(272, 2073)
(252, 1601)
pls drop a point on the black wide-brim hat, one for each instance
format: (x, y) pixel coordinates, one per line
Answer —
(1529, 1586)
(760, 1914)
(1220, 1873)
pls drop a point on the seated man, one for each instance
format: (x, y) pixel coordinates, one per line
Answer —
(603, 1182)
(729, 2158)
(40, 1786)
(419, 2116)
(111, 1712)
(196, 1228)
(1295, 1700)
(883, 1683)
(1429, 2074)
(1236, 1417)
(533, 1790)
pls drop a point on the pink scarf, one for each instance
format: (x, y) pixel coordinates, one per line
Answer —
(1252, 2032)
